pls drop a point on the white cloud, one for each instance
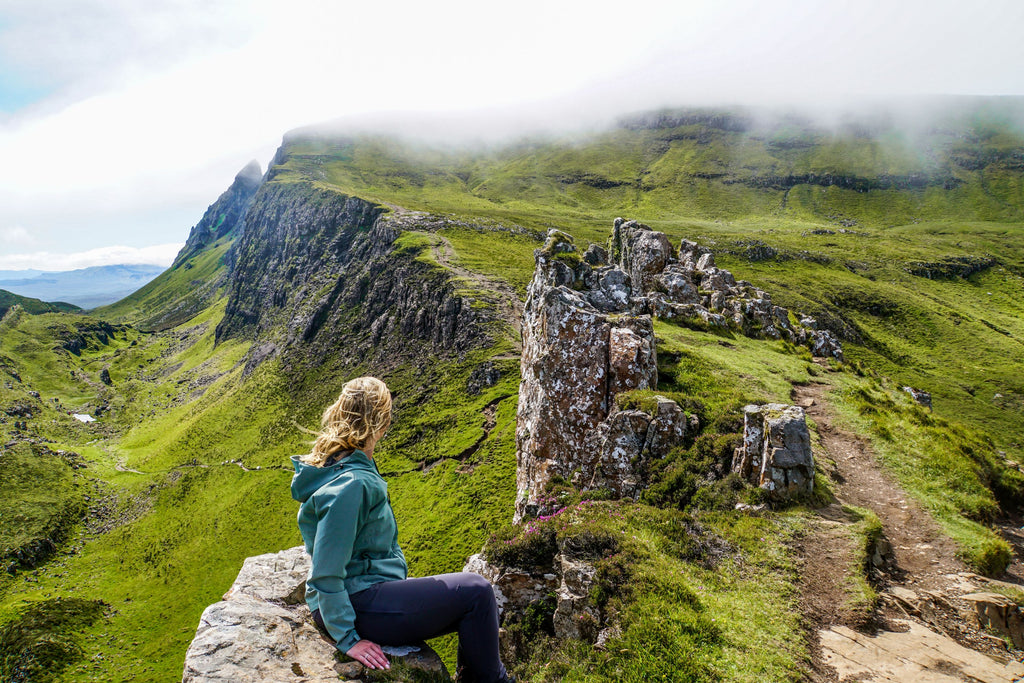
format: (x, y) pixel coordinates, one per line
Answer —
(159, 103)
(18, 235)
(158, 255)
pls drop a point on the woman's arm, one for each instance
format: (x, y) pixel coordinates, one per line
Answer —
(340, 513)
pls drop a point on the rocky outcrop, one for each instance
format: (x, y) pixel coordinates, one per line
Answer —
(226, 216)
(81, 334)
(262, 631)
(1000, 614)
(951, 267)
(692, 290)
(570, 580)
(588, 338)
(514, 588)
(776, 452)
(923, 398)
(583, 346)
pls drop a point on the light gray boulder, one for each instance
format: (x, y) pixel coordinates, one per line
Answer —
(776, 452)
(262, 631)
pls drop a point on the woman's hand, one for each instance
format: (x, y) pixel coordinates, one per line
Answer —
(369, 654)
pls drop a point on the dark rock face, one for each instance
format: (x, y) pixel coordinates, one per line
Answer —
(87, 331)
(484, 375)
(323, 271)
(952, 267)
(226, 215)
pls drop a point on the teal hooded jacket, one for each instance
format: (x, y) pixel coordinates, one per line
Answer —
(350, 532)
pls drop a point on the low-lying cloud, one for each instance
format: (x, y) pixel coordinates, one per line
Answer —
(159, 121)
(158, 255)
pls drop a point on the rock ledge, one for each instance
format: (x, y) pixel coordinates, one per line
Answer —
(262, 631)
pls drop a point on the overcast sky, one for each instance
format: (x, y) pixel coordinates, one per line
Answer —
(121, 120)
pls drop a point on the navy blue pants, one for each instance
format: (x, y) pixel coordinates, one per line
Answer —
(409, 611)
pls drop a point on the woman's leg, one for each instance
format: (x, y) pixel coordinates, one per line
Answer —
(403, 612)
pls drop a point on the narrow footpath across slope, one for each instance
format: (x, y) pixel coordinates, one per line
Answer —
(921, 629)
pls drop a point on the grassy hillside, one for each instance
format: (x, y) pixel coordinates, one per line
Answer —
(177, 294)
(701, 163)
(9, 299)
(914, 253)
(910, 245)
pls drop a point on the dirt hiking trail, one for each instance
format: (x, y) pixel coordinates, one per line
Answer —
(921, 628)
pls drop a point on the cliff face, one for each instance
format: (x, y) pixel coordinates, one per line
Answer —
(227, 214)
(331, 273)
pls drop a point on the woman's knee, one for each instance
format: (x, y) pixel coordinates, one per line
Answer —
(476, 586)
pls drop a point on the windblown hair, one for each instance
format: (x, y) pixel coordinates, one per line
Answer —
(362, 410)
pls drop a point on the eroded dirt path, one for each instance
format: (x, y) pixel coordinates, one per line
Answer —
(923, 555)
(920, 629)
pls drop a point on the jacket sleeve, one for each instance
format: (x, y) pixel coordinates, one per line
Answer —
(339, 517)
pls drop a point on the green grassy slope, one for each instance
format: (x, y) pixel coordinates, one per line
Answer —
(900, 203)
(192, 468)
(9, 299)
(697, 164)
(177, 294)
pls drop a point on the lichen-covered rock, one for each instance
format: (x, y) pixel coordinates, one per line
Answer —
(625, 442)
(690, 288)
(514, 588)
(274, 577)
(581, 347)
(569, 579)
(641, 252)
(576, 616)
(262, 631)
(776, 452)
(588, 337)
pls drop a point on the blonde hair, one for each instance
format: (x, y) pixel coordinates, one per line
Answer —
(362, 410)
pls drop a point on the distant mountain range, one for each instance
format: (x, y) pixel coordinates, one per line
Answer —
(86, 287)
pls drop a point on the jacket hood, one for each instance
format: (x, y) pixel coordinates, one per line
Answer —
(309, 478)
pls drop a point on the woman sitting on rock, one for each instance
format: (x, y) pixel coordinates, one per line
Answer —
(357, 588)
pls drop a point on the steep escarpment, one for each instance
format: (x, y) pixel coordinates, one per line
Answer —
(226, 216)
(335, 274)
